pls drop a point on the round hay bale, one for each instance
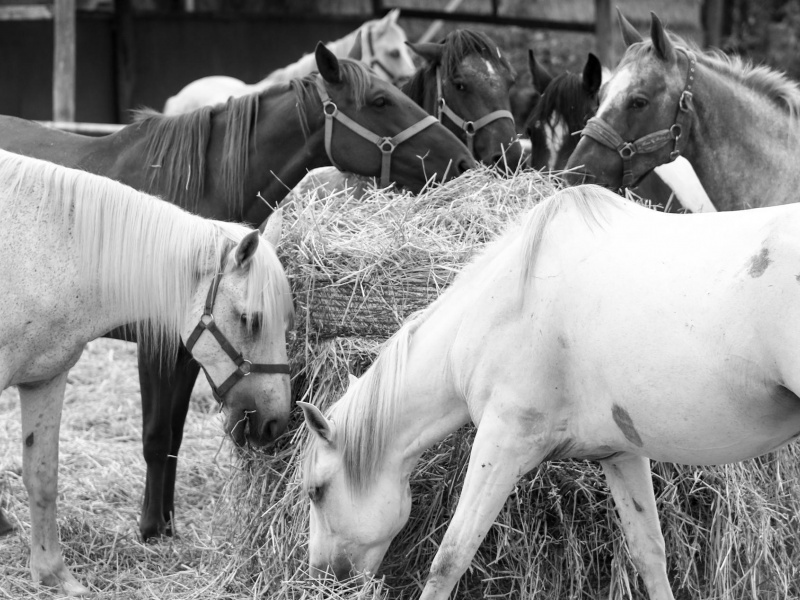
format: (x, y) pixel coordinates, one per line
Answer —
(359, 267)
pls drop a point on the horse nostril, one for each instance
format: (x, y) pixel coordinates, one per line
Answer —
(464, 165)
(273, 429)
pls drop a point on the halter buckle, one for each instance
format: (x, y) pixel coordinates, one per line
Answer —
(685, 101)
(627, 151)
(386, 145)
(326, 105)
(676, 131)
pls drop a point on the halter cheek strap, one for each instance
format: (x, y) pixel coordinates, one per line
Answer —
(470, 128)
(385, 144)
(602, 132)
(244, 366)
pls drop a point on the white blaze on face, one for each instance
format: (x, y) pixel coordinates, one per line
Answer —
(555, 132)
(489, 67)
(616, 90)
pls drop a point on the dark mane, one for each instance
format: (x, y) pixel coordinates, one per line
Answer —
(354, 72)
(773, 84)
(177, 147)
(566, 95)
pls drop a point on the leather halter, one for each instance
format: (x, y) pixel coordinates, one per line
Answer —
(368, 55)
(470, 128)
(244, 366)
(385, 144)
(600, 131)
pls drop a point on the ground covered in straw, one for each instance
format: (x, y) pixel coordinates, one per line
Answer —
(360, 263)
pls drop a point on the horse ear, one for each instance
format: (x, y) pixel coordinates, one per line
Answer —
(429, 51)
(272, 227)
(317, 422)
(592, 75)
(539, 75)
(356, 52)
(661, 41)
(392, 16)
(327, 64)
(246, 248)
(629, 33)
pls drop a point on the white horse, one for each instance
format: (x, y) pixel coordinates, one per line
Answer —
(382, 44)
(81, 255)
(598, 329)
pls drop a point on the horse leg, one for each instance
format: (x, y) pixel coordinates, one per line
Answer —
(41, 405)
(502, 452)
(186, 371)
(631, 483)
(166, 390)
(5, 526)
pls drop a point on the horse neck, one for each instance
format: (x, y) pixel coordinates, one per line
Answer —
(432, 406)
(279, 156)
(742, 146)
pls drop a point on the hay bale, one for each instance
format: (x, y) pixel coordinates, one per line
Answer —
(359, 268)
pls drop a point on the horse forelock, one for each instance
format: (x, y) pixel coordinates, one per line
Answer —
(771, 83)
(176, 150)
(145, 253)
(461, 43)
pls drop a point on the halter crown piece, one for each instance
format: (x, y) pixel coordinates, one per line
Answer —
(600, 130)
(470, 128)
(244, 366)
(385, 144)
(368, 55)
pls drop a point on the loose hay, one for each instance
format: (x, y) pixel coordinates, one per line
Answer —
(359, 267)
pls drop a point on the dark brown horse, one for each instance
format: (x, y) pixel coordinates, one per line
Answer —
(236, 162)
(466, 84)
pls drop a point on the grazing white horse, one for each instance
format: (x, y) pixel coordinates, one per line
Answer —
(81, 255)
(382, 44)
(597, 329)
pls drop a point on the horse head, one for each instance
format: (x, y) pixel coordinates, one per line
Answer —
(381, 45)
(565, 104)
(236, 330)
(351, 525)
(466, 83)
(379, 131)
(645, 112)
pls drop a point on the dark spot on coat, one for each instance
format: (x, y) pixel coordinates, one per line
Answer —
(29, 440)
(637, 506)
(625, 423)
(759, 263)
(563, 342)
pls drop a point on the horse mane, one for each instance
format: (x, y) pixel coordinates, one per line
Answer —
(146, 254)
(564, 94)
(176, 147)
(356, 73)
(773, 84)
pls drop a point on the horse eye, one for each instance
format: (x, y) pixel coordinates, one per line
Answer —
(380, 102)
(315, 493)
(460, 86)
(395, 53)
(639, 103)
(253, 321)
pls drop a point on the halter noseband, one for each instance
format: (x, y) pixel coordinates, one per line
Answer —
(244, 366)
(470, 128)
(600, 131)
(385, 144)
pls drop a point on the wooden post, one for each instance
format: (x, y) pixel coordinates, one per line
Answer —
(124, 51)
(604, 33)
(64, 60)
(712, 23)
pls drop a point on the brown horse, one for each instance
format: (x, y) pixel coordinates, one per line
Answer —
(236, 162)
(734, 122)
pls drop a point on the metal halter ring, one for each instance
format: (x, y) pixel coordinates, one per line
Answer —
(245, 368)
(628, 150)
(387, 145)
(330, 103)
